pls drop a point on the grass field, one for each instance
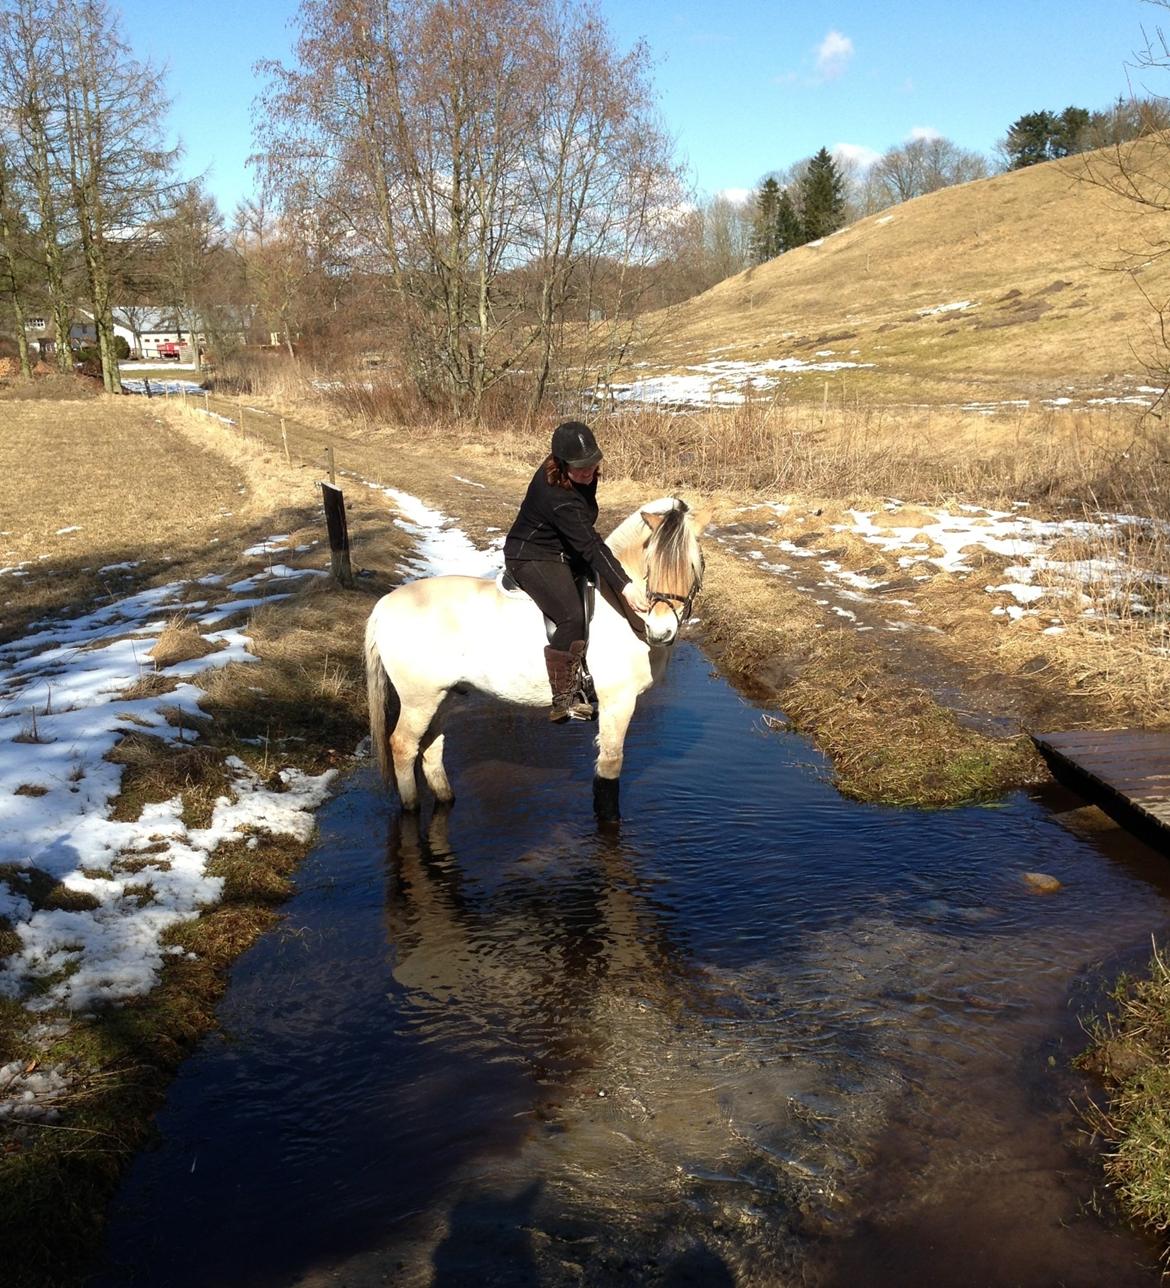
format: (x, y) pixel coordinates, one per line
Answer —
(1035, 283)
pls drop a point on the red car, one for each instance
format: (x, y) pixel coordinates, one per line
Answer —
(169, 349)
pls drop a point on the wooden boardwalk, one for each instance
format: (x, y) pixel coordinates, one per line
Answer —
(1124, 771)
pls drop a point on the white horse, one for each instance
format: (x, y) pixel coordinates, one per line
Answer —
(443, 635)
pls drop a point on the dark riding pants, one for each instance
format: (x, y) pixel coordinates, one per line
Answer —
(553, 587)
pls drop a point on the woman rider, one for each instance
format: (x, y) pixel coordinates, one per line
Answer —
(552, 541)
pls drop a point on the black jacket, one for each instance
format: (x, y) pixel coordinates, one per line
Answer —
(556, 524)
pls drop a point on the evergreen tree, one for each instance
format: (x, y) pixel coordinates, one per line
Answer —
(789, 230)
(1071, 127)
(1044, 136)
(763, 244)
(1028, 138)
(822, 197)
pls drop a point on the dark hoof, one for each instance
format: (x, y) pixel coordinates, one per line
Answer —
(606, 804)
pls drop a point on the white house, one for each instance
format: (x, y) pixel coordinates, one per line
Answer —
(150, 332)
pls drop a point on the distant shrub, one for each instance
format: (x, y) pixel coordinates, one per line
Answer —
(121, 348)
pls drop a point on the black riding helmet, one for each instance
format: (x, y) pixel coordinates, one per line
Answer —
(574, 444)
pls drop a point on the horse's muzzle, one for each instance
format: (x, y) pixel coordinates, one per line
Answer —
(661, 638)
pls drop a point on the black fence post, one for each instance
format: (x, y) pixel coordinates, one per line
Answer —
(338, 534)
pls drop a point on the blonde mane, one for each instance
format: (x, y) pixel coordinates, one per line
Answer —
(670, 546)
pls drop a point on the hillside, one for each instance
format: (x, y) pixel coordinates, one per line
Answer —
(1006, 288)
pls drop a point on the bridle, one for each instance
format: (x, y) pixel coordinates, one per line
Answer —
(686, 601)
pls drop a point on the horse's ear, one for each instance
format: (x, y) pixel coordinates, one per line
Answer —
(699, 518)
(652, 519)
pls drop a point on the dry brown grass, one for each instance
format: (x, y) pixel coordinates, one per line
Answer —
(129, 486)
(927, 455)
(887, 739)
(48, 385)
(179, 641)
(1035, 249)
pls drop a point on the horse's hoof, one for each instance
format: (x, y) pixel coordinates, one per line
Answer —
(606, 803)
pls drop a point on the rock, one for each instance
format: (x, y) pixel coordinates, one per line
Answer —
(1041, 882)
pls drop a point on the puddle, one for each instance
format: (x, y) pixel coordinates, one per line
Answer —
(761, 1035)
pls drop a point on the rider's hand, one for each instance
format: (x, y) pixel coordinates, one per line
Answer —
(635, 597)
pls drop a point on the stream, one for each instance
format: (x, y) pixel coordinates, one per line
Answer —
(757, 1035)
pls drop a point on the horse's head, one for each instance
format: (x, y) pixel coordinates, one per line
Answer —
(659, 546)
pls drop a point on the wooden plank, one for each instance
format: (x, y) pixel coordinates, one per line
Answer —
(1106, 737)
(1117, 743)
(1124, 771)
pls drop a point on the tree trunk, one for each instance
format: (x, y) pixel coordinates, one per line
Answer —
(16, 301)
(17, 306)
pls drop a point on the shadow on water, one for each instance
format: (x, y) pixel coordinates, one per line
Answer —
(758, 1034)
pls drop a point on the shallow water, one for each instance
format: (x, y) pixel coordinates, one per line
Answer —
(758, 1035)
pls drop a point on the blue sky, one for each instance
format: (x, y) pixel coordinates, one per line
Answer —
(743, 87)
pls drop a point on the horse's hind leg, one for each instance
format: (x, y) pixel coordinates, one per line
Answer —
(432, 763)
(413, 723)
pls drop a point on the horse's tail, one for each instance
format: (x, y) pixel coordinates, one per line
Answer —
(383, 702)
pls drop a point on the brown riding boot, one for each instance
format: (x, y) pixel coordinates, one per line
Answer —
(564, 678)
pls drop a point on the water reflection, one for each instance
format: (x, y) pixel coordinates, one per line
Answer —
(568, 958)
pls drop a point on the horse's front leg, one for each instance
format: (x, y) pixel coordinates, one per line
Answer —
(614, 712)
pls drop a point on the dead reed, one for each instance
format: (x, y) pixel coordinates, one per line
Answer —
(927, 454)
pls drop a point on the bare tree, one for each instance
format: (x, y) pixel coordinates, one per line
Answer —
(11, 268)
(186, 239)
(284, 260)
(471, 161)
(601, 188)
(114, 163)
(30, 93)
(926, 165)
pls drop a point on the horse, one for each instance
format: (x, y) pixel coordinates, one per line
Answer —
(441, 636)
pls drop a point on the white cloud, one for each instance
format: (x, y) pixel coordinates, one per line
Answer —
(833, 55)
(923, 133)
(856, 154)
(737, 196)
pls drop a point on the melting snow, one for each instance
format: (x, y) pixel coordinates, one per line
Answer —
(951, 542)
(441, 547)
(163, 387)
(62, 710)
(956, 307)
(727, 382)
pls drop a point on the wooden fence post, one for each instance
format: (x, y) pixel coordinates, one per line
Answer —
(338, 534)
(284, 440)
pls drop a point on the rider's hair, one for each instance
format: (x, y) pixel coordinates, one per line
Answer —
(556, 473)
